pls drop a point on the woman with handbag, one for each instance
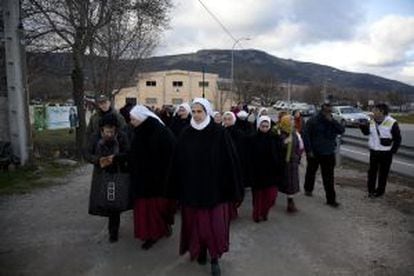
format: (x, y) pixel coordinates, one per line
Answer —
(206, 186)
(109, 194)
(152, 146)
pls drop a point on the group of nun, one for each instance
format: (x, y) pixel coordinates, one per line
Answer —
(201, 166)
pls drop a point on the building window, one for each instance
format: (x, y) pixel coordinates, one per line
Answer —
(151, 100)
(177, 83)
(177, 101)
(151, 83)
(203, 84)
(132, 101)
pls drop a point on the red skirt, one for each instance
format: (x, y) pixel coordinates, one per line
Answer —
(205, 229)
(263, 200)
(153, 218)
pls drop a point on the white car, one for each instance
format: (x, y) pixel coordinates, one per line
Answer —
(349, 115)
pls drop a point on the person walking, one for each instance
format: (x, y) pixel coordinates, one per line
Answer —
(265, 168)
(292, 149)
(107, 151)
(152, 146)
(320, 143)
(384, 141)
(205, 178)
(181, 119)
(103, 107)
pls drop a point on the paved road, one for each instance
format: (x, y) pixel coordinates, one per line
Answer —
(399, 164)
(407, 133)
(48, 232)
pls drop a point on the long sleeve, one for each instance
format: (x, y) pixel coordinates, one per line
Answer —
(365, 129)
(396, 137)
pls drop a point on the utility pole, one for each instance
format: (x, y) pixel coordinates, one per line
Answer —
(17, 93)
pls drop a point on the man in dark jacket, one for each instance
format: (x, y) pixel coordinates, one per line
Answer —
(320, 143)
(104, 107)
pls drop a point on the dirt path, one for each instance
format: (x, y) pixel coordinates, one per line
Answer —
(49, 232)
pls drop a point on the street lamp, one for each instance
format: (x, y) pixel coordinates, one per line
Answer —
(232, 61)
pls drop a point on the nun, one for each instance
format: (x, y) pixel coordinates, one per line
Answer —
(150, 155)
(206, 187)
(181, 119)
(217, 117)
(265, 169)
(243, 124)
(292, 149)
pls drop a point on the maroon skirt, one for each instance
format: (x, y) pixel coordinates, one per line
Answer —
(263, 200)
(205, 229)
(153, 218)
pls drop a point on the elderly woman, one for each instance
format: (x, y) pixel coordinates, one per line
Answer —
(107, 151)
(265, 169)
(292, 149)
(206, 186)
(151, 151)
(217, 117)
(181, 119)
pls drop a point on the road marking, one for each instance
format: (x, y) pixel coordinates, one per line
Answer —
(366, 154)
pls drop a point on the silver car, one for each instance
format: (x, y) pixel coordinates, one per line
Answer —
(349, 116)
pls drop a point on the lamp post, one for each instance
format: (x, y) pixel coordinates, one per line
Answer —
(232, 61)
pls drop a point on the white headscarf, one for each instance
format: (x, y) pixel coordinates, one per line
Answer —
(186, 106)
(209, 112)
(261, 110)
(242, 115)
(232, 116)
(141, 113)
(263, 118)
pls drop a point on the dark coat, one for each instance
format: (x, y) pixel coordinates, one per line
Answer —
(97, 149)
(265, 168)
(152, 146)
(320, 135)
(245, 127)
(205, 169)
(240, 141)
(177, 125)
(290, 179)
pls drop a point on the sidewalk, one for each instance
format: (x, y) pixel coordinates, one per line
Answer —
(49, 232)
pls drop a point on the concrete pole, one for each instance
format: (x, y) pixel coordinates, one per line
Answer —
(17, 94)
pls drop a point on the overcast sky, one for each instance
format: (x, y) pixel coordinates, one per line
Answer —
(371, 36)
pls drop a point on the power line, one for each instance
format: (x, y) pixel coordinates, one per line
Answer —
(218, 21)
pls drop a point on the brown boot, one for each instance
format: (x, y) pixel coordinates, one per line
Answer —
(291, 207)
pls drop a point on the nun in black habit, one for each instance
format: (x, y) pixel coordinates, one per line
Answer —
(181, 119)
(152, 147)
(265, 168)
(206, 186)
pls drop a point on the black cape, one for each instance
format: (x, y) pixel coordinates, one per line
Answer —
(265, 168)
(205, 169)
(152, 146)
(177, 125)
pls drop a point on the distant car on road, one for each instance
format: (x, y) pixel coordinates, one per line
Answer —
(349, 115)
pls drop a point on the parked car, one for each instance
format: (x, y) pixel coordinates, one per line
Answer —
(349, 115)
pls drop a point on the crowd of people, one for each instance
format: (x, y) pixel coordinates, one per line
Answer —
(201, 162)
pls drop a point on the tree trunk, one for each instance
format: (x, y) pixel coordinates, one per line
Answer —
(78, 95)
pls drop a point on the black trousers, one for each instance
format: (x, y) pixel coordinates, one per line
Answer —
(379, 165)
(327, 163)
(114, 221)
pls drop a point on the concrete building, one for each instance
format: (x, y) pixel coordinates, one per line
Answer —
(174, 87)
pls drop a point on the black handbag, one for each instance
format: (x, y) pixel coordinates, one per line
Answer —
(114, 192)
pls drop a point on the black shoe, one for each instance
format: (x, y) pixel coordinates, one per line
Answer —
(215, 269)
(148, 244)
(307, 193)
(113, 237)
(371, 195)
(202, 257)
(378, 194)
(333, 204)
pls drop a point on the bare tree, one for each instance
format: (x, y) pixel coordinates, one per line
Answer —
(81, 27)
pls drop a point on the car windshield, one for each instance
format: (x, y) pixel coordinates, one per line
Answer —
(348, 110)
